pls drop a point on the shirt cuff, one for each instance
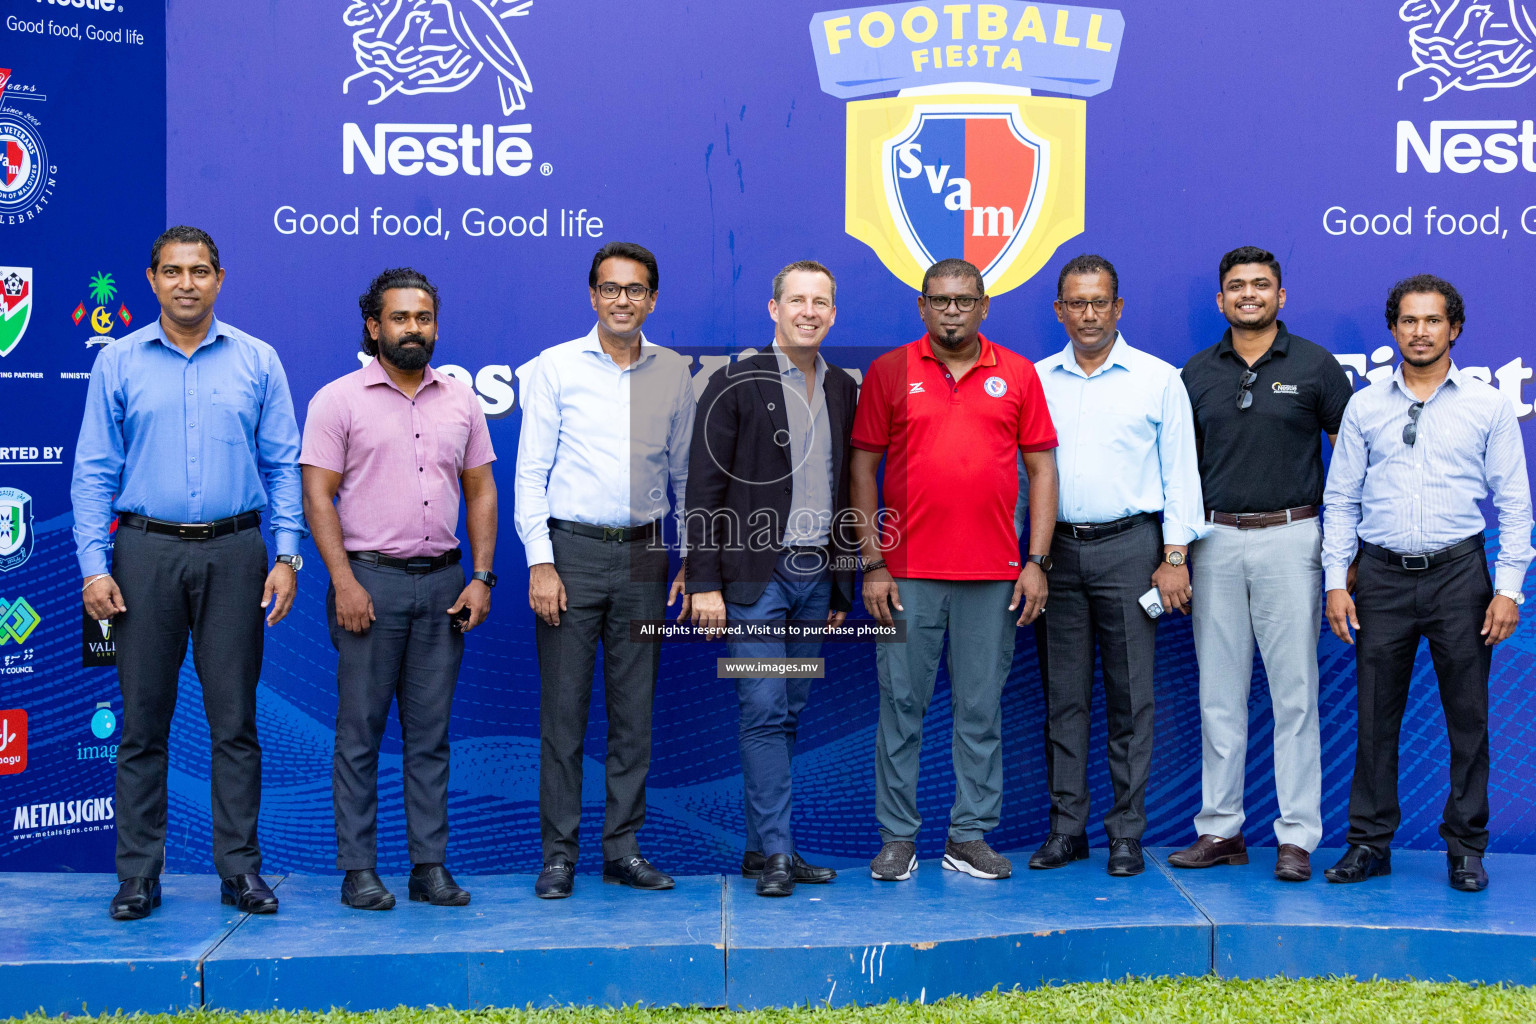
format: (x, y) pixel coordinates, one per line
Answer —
(1335, 578)
(287, 542)
(1508, 577)
(539, 550)
(93, 564)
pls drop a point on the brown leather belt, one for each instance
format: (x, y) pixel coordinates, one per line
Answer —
(1261, 520)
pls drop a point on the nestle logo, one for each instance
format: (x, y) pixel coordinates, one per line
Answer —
(13, 741)
(439, 149)
(1462, 147)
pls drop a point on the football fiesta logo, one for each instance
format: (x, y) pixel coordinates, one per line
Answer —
(965, 161)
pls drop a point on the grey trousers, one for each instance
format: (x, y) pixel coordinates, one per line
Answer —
(410, 655)
(606, 585)
(981, 634)
(1265, 586)
(210, 590)
(1092, 605)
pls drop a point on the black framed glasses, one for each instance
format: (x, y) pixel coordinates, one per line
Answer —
(964, 303)
(1411, 428)
(1079, 306)
(1244, 389)
(610, 290)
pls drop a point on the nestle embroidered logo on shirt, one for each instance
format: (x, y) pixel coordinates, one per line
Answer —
(1283, 389)
(916, 388)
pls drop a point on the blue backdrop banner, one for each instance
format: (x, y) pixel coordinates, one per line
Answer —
(496, 144)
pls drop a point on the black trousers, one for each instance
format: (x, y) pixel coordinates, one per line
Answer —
(410, 655)
(606, 586)
(1092, 605)
(1396, 606)
(209, 590)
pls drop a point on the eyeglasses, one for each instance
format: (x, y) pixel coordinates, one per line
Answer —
(1411, 428)
(964, 303)
(610, 290)
(1079, 305)
(1244, 396)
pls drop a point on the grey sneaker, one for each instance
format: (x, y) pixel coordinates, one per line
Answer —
(895, 862)
(976, 859)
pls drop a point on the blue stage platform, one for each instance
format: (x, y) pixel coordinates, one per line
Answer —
(713, 942)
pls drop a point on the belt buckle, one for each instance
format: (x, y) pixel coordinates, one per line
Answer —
(1083, 532)
(613, 533)
(194, 531)
(1418, 562)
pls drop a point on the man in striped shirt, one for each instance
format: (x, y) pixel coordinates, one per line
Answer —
(1415, 455)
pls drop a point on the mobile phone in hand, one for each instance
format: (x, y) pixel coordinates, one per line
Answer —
(460, 618)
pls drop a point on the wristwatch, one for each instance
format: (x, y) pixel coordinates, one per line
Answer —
(1043, 561)
(1174, 558)
(1513, 595)
(485, 576)
(294, 562)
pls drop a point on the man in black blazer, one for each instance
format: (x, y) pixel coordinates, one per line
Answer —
(769, 541)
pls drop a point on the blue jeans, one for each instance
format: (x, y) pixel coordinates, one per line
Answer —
(770, 708)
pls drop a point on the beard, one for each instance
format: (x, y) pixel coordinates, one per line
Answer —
(1263, 322)
(411, 358)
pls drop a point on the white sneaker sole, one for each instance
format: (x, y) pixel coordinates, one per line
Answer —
(896, 878)
(952, 863)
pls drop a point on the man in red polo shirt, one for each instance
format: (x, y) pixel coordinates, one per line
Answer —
(948, 412)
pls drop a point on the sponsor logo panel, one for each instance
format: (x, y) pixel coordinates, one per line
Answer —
(13, 741)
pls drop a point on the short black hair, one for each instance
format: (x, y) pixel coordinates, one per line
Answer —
(371, 302)
(955, 268)
(1419, 284)
(1247, 254)
(1089, 263)
(183, 233)
(629, 251)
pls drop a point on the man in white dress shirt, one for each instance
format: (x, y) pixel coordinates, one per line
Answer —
(607, 420)
(1415, 455)
(1126, 453)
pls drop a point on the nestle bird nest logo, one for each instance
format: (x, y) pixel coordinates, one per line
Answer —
(965, 161)
(413, 47)
(1469, 45)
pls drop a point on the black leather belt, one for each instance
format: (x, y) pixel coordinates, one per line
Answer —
(413, 565)
(615, 534)
(1418, 563)
(191, 531)
(1098, 531)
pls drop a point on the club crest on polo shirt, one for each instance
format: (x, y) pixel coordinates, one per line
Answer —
(1283, 389)
(996, 387)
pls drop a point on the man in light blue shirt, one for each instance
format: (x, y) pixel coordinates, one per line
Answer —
(606, 424)
(1416, 454)
(1126, 454)
(188, 435)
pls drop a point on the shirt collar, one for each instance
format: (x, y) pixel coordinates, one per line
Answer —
(1452, 376)
(374, 373)
(591, 344)
(1279, 347)
(785, 365)
(988, 355)
(216, 330)
(1120, 354)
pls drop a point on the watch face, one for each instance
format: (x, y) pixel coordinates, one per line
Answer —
(1043, 561)
(1175, 558)
(296, 561)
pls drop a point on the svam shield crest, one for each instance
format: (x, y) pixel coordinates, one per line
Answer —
(15, 528)
(996, 182)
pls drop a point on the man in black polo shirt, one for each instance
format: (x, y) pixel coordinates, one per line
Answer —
(1262, 397)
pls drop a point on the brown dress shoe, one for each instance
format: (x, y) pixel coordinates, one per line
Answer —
(1292, 864)
(1208, 851)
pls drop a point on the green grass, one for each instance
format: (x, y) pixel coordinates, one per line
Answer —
(1165, 1001)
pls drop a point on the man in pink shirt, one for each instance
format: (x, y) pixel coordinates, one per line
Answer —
(387, 450)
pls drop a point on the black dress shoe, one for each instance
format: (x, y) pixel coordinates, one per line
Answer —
(362, 889)
(805, 874)
(1358, 864)
(135, 898)
(431, 883)
(1125, 858)
(1059, 850)
(556, 880)
(636, 872)
(248, 894)
(1466, 872)
(778, 876)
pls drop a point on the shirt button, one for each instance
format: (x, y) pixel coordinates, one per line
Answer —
(418, 435)
(423, 503)
(421, 469)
